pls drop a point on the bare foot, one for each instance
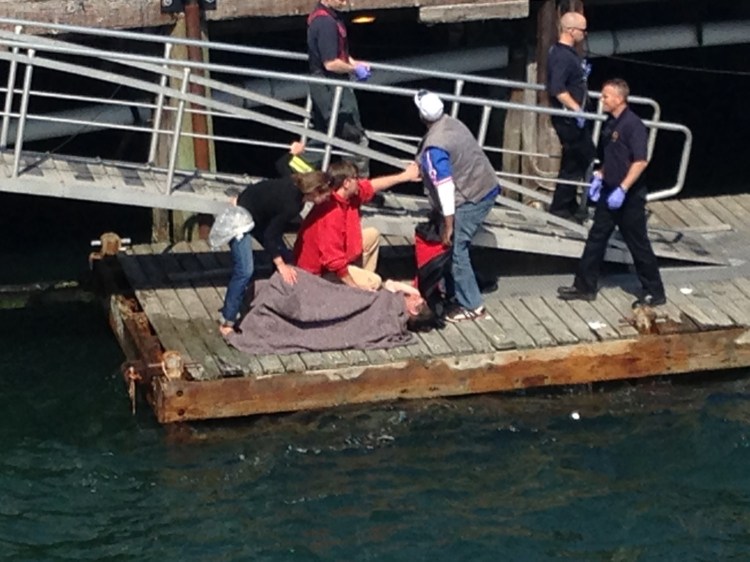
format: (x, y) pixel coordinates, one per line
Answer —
(225, 329)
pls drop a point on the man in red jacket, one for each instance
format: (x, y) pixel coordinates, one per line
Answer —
(331, 241)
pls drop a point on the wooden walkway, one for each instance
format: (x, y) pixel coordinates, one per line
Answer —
(529, 338)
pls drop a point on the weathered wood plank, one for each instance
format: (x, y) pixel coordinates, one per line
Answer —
(400, 353)
(743, 284)
(271, 364)
(700, 210)
(654, 221)
(473, 334)
(571, 319)
(172, 306)
(161, 319)
(682, 211)
(215, 299)
(151, 305)
(356, 357)
(495, 333)
(147, 13)
(729, 299)
(730, 203)
(743, 200)
(509, 324)
(666, 215)
(436, 343)
(554, 325)
(230, 360)
(531, 323)
(724, 214)
(292, 363)
(594, 320)
(468, 11)
(455, 339)
(335, 359)
(419, 349)
(313, 360)
(378, 356)
(698, 307)
(616, 317)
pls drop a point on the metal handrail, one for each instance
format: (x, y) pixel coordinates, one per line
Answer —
(292, 56)
(163, 67)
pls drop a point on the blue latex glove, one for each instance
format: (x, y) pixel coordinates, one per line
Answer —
(616, 198)
(362, 72)
(585, 68)
(595, 188)
(581, 122)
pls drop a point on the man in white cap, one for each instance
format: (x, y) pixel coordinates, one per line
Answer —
(462, 185)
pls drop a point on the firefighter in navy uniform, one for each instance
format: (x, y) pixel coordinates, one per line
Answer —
(620, 201)
(567, 86)
(328, 51)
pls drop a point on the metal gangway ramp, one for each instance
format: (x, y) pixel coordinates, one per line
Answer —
(147, 92)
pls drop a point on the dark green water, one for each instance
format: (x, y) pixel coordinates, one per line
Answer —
(656, 471)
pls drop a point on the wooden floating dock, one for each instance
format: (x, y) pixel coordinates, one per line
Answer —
(529, 338)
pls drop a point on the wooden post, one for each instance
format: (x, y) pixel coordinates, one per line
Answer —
(174, 226)
(548, 31)
(547, 27)
(200, 121)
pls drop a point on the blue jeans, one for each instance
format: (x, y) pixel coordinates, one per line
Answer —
(468, 218)
(242, 271)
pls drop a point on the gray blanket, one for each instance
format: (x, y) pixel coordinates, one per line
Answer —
(319, 315)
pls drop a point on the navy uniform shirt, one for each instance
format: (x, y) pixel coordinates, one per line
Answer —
(624, 140)
(324, 42)
(565, 73)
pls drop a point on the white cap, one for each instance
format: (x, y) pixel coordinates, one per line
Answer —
(430, 105)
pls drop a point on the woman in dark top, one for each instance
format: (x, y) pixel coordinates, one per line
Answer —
(273, 204)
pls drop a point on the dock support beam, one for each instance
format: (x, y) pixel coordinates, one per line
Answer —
(183, 400)
(193, 152)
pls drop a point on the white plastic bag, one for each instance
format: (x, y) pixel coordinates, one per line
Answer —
(232, 222)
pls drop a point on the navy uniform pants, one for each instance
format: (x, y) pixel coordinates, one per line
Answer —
(348, 125)
(577, 155)
(631, 220)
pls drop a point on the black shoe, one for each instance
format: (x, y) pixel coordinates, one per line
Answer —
(570, 216)
(573, 294)
(650, 300)
(581, 215)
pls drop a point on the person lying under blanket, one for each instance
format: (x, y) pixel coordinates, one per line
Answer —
(317, 315)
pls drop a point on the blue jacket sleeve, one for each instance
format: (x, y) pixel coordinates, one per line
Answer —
(436, 165)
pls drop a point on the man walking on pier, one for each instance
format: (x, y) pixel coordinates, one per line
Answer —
(567, 86)
(620, 199)
(460, 184)
(328, 52)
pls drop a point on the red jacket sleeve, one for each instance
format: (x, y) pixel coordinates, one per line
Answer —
(366, 192)
(331, 239)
